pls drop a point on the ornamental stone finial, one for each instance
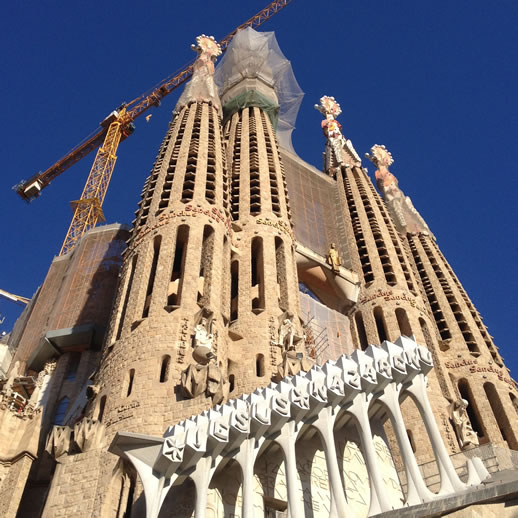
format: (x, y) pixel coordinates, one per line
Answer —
(208, 46)
(339, 150)
(380, 156)
(328, 107)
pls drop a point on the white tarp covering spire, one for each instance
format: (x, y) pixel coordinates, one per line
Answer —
(256, 55)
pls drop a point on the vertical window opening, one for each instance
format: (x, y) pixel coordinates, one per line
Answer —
(234, 290)
(257, 294)
(514, 400)
(73, 364)
(380, 324)
(411, 439)
(362, 334)
(282, 281)
(205, 276)
(259, 365)
(465, 393)
(152, 275)
(232, 382)
(126, 297)
(403, 322)
(131, 377)
(102, 406)
(498, 410)
(255, 185)
(177, 273)
(61, 410)
(164, 368)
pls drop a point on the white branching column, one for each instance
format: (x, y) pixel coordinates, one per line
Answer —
(356, 386)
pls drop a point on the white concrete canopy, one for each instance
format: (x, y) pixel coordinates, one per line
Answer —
(359, 385)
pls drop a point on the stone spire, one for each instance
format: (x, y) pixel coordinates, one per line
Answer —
(400, 207)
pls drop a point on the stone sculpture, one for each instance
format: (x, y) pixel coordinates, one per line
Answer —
(332, 129)
(466, 436)
(402, 209)
(333, 258)
(205, 376)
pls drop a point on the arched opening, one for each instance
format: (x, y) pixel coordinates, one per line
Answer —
(174, 293)
(411, 439)
(501, 417)
(73, 364)
(120, 492)
(360, 328)
(403, 322)
(514, 400)
(205, 275)
(164, 368)
(257, 281)
(61, 410)
(270, 484)
(232, 383)
(282, 281)
(102, 405)
(131, 377)
(224, 497)
(152, 274)
(472, 410)
(259, 365)
(380, 324)
(312, 471)
(180, 500)
(426, 334)
(234, 290)
(126, 296)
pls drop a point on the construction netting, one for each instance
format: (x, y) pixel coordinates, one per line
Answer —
(256, 55)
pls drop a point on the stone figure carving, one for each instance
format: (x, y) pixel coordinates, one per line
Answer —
(466, 436)
(201, 87)
(292, 361)
(339, 149)
(333, 258)
(402, 209)
(203, 340)
(205, 379)
(205, 376)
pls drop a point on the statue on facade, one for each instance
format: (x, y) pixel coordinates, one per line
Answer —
(292, 361)
(201, 88)
(205, 379)
(466, 436)
(401, 208)
(339, 150)
(205, 376)
(333, 258)
(203, 340)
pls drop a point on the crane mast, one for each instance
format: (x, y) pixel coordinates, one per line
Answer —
(115, 128)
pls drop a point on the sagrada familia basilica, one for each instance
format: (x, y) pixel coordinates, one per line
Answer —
(268, 339)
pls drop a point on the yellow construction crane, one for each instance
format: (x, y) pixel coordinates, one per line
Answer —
(14, 298)
(115, 128)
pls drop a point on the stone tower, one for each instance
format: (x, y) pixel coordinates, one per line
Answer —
(265, 327)
(467, 352)
(391, 300)
(171, 314)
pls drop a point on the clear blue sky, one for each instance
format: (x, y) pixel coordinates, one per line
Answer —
(436, 82)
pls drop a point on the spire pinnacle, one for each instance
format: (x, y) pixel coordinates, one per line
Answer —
(401, 208)
(339, 150)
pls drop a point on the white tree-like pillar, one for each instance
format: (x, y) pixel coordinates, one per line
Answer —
(417, 490)
(286, 441)
(450, 481)
(378, 501)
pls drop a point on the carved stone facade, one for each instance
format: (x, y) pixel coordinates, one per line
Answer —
(206, 339)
